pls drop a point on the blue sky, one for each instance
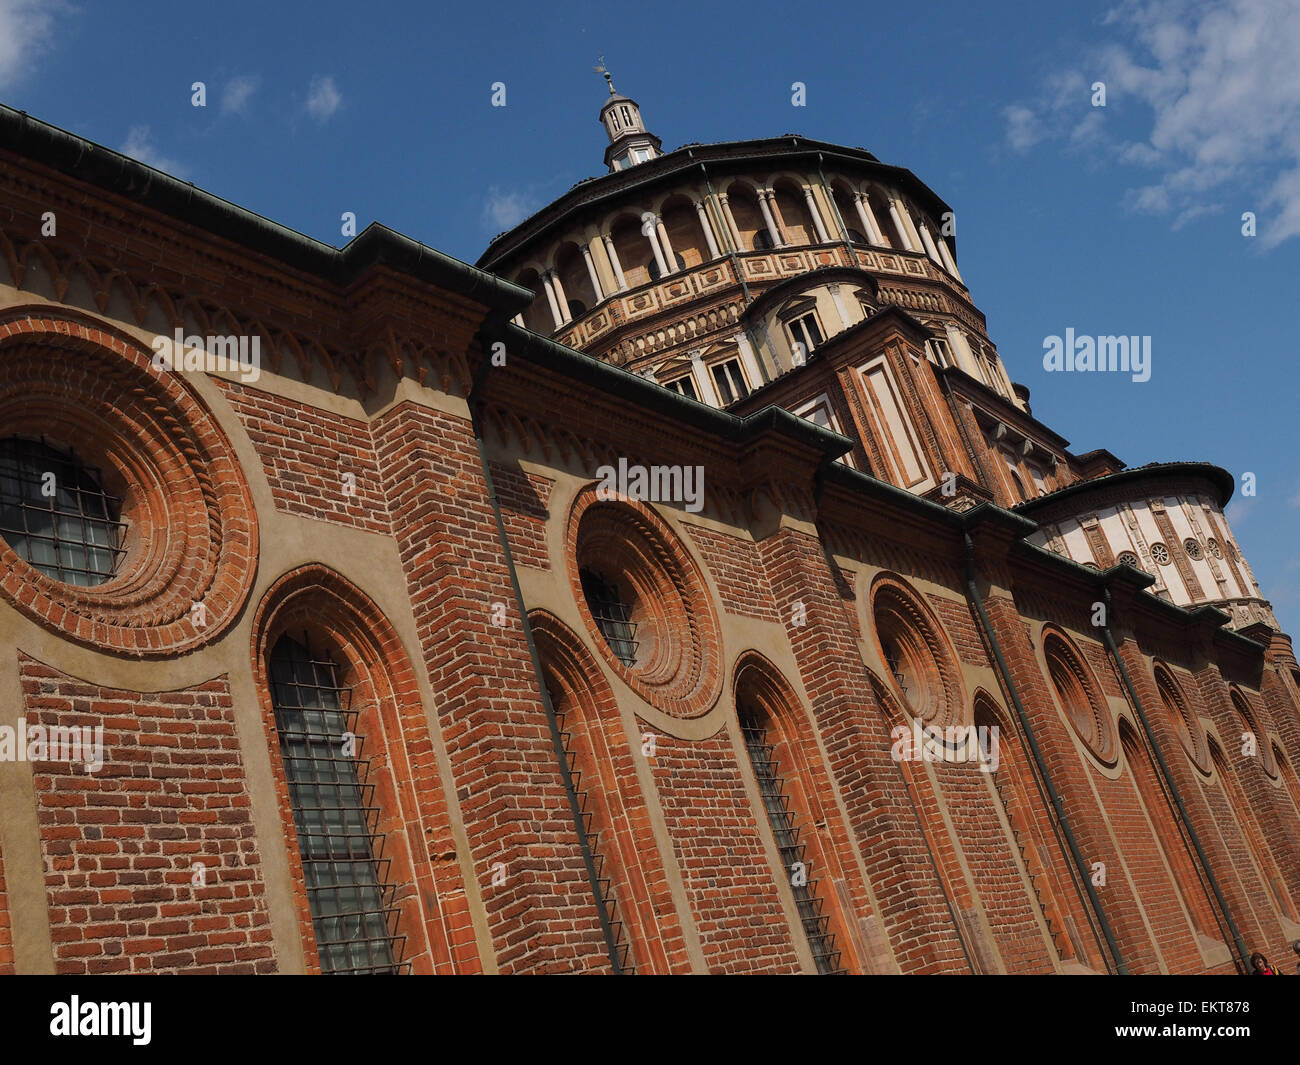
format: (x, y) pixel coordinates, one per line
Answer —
(1117, 220)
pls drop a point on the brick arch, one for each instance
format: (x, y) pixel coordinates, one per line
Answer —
(758, 684)
(1250, 717)
(1043, 855)
(893, 603)
(605, 757)
(336, 615)
(1190, 733)
(1079, 694)
(192, 532)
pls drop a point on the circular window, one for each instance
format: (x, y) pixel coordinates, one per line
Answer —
(1077, 692)
(1192, 548)
(1189, 735)
(125, 521)
(1214, 547)
(1159, 554)
(1127, 558)
(646, 604)
(910, 648)
(56, 514)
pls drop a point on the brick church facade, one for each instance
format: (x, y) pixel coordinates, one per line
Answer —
(685, 588)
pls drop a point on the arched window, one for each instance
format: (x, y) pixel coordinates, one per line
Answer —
(762, 240)
(798, 835)
(1077, 691)
(55, 513)
(333, 811)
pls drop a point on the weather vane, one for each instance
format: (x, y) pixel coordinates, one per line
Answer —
(601, 69)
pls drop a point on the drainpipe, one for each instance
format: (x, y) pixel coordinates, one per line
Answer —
(557, 741)
(1242, 963)
(973, 594)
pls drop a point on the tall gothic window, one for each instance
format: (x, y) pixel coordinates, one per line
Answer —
(334, 813)
(780, 816)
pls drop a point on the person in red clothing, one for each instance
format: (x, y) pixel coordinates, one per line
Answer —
(1261, 966)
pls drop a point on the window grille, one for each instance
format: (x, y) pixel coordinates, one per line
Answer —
(891, 660)
(334, 811)
(776, 803)
(56, 515)
(612, 615)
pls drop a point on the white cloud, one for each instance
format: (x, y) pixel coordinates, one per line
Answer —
(1023, 127)
(238, 91)
(504, 209)
(25, 30)
(139, 146)
(1221, 84)
(323, 98)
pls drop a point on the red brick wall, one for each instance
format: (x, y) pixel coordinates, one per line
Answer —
(119, 844)
(523, 498)
(1096, 838)
(959, 624)
(737, 568)
(729, 882)
(994, 868)
(489, 706)
(858, 746)
(6, 932)
(306, 452)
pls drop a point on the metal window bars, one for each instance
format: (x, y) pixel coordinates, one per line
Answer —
(771, 786)
(891, 660)
(624, 964)
(334, 811)
(56, 515)
(612, 615)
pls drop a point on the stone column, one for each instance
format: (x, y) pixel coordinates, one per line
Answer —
(708, 229)
(649, 230)
(896, 213)
(868, 220)
(613, 261)
(670, 257)
(928, 241)
(591, 272)
(550, 296)
(815, 215)
(561, 298)
(768, 220)
(731, 221)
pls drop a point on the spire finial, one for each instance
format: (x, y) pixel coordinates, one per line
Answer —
(600, 69)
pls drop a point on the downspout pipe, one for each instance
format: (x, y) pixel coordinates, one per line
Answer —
(1243, 960)
(557, 740)
(977, 601)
